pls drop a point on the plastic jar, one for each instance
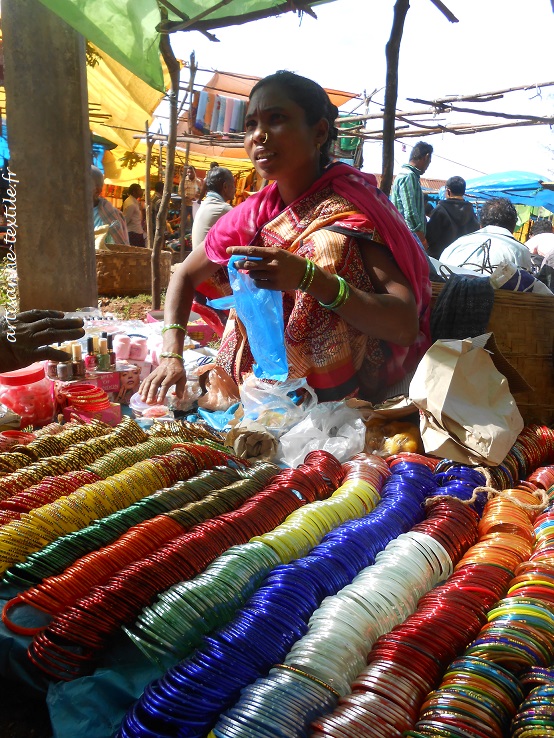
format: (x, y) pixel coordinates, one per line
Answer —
(138, 350)
(144, 410)
(121, 346)
(28, 393)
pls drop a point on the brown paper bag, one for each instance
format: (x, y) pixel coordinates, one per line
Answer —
(467, 411)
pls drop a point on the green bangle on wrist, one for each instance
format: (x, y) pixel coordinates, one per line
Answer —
(178, 326)
(342, 296)
(170, 355)
(308, 277)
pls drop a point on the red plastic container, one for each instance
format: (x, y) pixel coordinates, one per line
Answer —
(27, 392)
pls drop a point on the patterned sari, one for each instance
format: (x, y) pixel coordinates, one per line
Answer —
(328, 224)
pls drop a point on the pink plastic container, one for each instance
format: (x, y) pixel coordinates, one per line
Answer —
(28, 393)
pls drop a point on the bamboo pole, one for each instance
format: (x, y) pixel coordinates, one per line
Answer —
(392, 53)
(147, 197)
(174, 70)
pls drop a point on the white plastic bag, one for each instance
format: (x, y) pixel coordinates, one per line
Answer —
(277, 406)
(332, 427)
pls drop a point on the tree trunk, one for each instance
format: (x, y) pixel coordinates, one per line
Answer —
(392, 53)
(174, 70)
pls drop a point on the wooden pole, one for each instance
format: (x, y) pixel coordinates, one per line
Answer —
(174, 70)
(50, 146)
(192, 67)
(147, 186)
(392, 53)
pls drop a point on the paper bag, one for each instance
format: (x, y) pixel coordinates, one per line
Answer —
(467, 412)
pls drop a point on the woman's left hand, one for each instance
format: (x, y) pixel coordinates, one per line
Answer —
(273, 268)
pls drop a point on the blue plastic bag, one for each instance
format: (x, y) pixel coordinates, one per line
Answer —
(261, 312)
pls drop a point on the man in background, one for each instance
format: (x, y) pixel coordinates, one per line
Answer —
(407, 195)
(220, 188)
(104, 213)
(133, 215)
(452, 218)
(483, 250)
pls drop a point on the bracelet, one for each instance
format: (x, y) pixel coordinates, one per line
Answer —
(308, 277)
(341, 298)
(178, 326)
(170, 355)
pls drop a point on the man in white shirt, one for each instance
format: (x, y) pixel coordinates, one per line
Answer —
(483, 250)
(133, 215)
(220, 187)
(541, 242)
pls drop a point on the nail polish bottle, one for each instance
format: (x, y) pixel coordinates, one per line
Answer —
(91, 361)
(79, 369)
(64, 369)
(103, 356)
(51, 365)
(111, 352)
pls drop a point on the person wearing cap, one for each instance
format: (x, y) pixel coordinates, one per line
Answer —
(452, 218)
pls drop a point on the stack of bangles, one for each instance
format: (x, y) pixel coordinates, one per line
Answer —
(172, 354)
(308, 278)
(87, 397)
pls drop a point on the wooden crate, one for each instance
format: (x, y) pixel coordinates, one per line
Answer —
(126, 270)
(523, 326)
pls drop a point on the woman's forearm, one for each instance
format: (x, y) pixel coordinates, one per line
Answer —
(390, 317)
(192, 272)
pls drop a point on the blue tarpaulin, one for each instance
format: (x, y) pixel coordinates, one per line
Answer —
(521, 188)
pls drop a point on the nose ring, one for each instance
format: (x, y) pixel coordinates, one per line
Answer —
(264, 139)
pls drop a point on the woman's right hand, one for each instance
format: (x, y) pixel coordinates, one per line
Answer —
(156, 385)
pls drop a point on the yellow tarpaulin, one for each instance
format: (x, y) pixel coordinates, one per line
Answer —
(127, 100)
(199, 157)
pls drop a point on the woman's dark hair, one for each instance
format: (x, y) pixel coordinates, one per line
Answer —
(498, 212)
(313, 100)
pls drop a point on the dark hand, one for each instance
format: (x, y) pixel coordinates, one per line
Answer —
(277, 270)
(156, 385)
(26, 339)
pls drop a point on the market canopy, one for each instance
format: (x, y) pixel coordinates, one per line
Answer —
(129, 31)
(521, 188)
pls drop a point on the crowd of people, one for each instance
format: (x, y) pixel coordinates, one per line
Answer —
(353, 266)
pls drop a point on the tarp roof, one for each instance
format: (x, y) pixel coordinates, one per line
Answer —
(200, 158)
(127, 31)
(521, 188)
(116, 92)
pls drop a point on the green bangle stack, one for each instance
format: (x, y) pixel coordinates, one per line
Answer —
(308, 277)
(178, 326)
(341, 298)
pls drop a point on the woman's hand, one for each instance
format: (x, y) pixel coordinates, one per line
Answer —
(272, 268)
(156, 385)
(27, 338)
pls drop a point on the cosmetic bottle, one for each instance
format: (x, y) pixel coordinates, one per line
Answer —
(64, 369)
(111, 352)
(103, 356)
(91, 361)
(79, 369)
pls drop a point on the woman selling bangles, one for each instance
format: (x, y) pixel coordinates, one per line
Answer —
(354, 281)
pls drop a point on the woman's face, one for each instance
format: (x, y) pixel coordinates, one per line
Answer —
(190, 173)
(291, 148)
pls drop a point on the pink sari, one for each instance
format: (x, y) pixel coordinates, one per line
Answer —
(355, 205)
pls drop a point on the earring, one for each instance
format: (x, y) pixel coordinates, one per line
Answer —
(264, 139)
(318, 146)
